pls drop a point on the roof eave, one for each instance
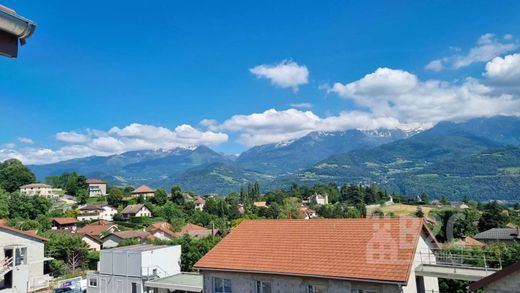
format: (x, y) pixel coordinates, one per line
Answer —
(392, 282)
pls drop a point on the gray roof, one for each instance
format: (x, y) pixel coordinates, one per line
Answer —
(190, 282)
(498, 234)
(133, 209)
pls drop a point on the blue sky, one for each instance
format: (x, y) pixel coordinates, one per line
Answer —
(114, 76)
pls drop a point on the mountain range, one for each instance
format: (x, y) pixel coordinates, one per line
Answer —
(478, 158)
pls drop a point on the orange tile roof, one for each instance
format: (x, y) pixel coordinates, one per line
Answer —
(468, 242)
(199, 200)
(96, 228)
(143, 189)
(65, 220)
(95, 181)
(333, 248)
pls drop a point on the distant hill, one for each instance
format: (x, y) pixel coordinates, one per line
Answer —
(453, 159)
(291, 156)
(136, 167)
(479, 158)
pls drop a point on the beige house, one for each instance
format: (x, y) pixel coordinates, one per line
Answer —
(136, 210)
(143, 191)
(38, 189)
(321, 255)
(96, 187)
(22, 261)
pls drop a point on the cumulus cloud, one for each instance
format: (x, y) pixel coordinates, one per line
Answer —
(504, 70)
(25, 140)
(71, 136)
(487, 47)
(397, 93)
(286, 74)
(116, 140)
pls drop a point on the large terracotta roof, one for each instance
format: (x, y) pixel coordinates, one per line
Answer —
(329, 248)
(143, 189)
(65, 220)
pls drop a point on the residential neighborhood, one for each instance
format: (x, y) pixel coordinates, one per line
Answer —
(260, 147)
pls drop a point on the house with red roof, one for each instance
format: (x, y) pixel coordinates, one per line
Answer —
(320, 255)
(96, 187)
(64, 223)
(199, 203)
(143, 191)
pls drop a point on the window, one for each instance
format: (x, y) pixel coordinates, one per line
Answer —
(21, 256)
(92, 282)
(317, 289)
(134, 287)
(221, 285)
(263, 287)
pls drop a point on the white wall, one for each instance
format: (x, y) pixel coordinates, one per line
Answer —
(430, 283)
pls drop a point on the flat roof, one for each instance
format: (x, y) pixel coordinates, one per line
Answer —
(138, 248)
(190, 282)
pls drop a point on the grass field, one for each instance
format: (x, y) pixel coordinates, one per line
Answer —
(399, 209)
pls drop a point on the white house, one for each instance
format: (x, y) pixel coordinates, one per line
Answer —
(332, 255)
(136, 210)
(126, 269)
(319, 199)
(38, 189)
(96, 187)
(199, 203)
(97, 212)
(22, 261)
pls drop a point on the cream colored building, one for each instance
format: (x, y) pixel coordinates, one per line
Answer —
(39, 189)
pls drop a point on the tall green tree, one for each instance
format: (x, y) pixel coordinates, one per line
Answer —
(115, 196)
(177, 196)
(14, 174)
(160, 196)
(493, 216)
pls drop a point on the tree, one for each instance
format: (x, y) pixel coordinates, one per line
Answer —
(160, 196)
(69, 249)
(216, 206)
(115, 196)
(493, 217)
(14, 174)
(27, 207)
(177, 196)
(4, 204)
(72, 182)
(82, 196)
(425, 198)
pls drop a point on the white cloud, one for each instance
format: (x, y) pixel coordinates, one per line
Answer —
(116, 140)
(25, 140)
(504, 70)
(400, 94)
(488, 47)
(72, 137)
(435, 65)
(304, 105)
(286, 74)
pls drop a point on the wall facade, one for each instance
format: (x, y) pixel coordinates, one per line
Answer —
(247, 282)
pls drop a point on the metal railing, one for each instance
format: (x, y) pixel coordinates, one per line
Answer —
(460, 258)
